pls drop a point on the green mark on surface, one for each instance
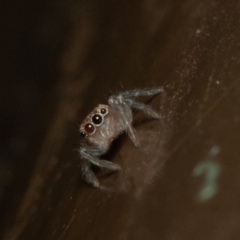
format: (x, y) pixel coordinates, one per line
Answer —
(211, 169)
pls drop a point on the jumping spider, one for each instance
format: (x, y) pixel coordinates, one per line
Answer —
(105, 123)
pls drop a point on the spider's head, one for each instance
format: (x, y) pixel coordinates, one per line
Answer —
(94, 120)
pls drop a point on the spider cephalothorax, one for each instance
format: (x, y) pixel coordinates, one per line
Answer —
(105, 123)
(93, 120)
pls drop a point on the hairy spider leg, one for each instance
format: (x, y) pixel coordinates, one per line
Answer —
(145, 108)
(88, 173)
(89, 156)
(91, 153)
(124, 111)
(141, 92)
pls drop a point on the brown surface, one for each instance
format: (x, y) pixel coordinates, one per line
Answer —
(61, 59)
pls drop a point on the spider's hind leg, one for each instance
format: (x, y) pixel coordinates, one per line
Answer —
(145, 108)
(133, 136)
(141, 92)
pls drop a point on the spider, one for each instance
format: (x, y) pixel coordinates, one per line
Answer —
(105, 123)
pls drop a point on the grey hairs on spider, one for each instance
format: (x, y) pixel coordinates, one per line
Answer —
(105, 123)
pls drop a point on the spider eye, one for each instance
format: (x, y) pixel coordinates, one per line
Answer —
(103, 111)
(83, 134)
(97, 119)
(89, 128)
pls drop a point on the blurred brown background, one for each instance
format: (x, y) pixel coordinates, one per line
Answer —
(59, 59)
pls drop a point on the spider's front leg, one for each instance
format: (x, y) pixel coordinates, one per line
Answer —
(90, 156)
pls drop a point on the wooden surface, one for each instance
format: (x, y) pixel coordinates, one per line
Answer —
(61, 59)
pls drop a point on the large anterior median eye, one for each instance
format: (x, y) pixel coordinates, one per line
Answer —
(89, 128)
(97, 119)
